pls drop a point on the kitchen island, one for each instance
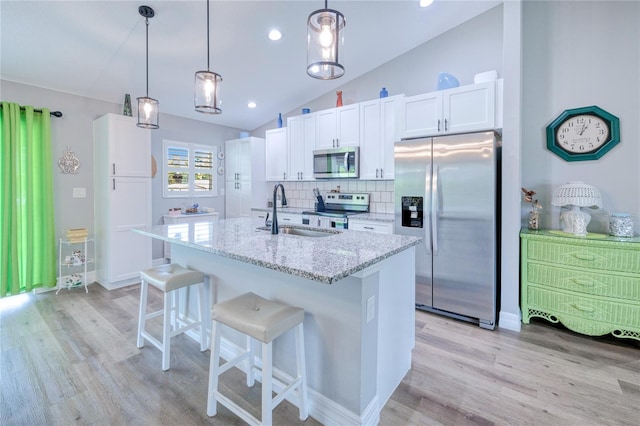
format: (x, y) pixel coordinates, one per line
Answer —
(357, 290)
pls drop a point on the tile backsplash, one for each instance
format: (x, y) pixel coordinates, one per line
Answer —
(381, 192)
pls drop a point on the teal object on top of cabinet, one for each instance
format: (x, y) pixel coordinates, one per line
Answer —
(589, 284)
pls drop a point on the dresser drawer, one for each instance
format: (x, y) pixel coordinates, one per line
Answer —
(597, 257)
(584, 281)
(578, 306)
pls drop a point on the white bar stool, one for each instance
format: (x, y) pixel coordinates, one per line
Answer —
(262, 320)
(170, 278)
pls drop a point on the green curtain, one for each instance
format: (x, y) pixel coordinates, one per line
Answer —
(28, 245)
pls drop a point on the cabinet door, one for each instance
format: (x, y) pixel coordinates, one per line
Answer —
(421, 115)
(469, 108)
(277, 158)
(348, 125)
(289, 219)
(370, 152)
(301, 141)
(389, 111)
(371, 226)
(326, 129)
(130, 207)
(237, 159)
(231, 199)
(129, 147)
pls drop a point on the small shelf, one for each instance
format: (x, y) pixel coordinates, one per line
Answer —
(75, 269)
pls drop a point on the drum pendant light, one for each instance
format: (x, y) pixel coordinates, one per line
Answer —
(207, 85)
(325, 40)
(147, 107)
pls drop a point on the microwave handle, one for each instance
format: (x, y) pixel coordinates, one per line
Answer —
(346, 161)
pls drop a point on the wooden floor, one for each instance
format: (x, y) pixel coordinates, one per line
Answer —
(71, 359)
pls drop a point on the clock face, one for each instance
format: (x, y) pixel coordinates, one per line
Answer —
(583, 133)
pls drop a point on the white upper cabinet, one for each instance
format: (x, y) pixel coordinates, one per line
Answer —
(458, 110)
(378, 131)
(129, 146)
(277, 156)
(338, 127)
(301, 141)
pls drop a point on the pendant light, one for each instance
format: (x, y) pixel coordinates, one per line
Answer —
(147, 107)
(325, 39)
(207, 85)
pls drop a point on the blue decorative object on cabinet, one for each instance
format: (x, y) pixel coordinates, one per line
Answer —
(279, 120)
(447, 81)
(384, 93)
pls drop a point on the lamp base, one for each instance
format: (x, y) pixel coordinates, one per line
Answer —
(575, 221)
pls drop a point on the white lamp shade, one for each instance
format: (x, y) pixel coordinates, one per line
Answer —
(325, 42)
(148, 113)
(207, 92)
(577, 193)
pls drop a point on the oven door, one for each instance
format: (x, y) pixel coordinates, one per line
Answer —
(336, 163)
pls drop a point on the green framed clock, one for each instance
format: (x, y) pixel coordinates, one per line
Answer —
(582, 134)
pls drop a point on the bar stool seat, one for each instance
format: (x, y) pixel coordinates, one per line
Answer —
(262, 320)
(169, 279)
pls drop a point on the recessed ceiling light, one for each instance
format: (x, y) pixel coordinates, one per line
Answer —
(425, 3)
(252, 105)
(275, 35)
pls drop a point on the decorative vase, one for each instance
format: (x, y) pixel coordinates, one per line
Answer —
(384, 93)
(339, 101)
(534, 221)
(279, 120)
(126, 110)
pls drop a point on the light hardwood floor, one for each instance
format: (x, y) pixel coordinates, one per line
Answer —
(71, 359)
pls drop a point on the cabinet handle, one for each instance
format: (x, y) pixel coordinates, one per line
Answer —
(114, 184)
(337, 143)
(438, 124)
(114, 168)
(381, 174)
(584, 256)
(583, 308)
(445, 125)
(583, 282)
(368, 227)
(284, 175)
(376, 173)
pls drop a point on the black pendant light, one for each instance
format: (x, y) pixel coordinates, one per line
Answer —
(207, 85)
(148, 111)
(325, 39)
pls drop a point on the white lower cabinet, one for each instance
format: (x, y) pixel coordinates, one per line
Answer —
(289, 219)
(371, 226)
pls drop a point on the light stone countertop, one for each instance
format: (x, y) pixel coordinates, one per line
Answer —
(323, 259)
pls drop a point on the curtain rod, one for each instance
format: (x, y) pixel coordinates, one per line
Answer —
(54, 113)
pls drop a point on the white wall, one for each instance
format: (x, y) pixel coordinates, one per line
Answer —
(75, 129)
(576, 54)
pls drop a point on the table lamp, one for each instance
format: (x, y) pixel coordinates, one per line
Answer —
(574, 195)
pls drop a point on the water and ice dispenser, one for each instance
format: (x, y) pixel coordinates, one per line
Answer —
(412, 212)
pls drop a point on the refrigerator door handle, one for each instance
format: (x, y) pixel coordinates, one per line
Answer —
(427, 210)
(435, 208)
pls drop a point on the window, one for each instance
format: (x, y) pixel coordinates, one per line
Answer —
(188, 170)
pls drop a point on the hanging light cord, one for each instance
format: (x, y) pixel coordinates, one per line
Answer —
(146, 20)
(208, 49)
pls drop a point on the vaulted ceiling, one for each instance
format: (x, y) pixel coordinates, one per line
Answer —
(97, 48)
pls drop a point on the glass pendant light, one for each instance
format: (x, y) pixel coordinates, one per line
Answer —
(148, 111)
(325, 39)
(207, 85)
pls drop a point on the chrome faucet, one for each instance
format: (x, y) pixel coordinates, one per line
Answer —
(274, 219)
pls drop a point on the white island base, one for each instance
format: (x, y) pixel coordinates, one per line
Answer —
(359, 330)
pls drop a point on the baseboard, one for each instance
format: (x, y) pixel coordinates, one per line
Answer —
(510, 321)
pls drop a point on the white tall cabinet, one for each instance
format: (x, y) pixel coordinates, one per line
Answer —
(244, 175)
(122, 199)
(378, 133)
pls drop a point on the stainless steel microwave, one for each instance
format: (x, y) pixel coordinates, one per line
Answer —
(336, 163)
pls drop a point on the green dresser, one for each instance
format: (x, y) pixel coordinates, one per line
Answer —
(589, 284)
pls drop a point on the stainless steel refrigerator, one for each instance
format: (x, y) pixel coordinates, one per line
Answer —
(447, 192)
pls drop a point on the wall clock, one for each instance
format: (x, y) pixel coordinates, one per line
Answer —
(581, 134)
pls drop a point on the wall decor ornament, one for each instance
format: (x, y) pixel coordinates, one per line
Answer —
(68, 163)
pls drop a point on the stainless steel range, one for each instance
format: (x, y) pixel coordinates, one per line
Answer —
(338, 206)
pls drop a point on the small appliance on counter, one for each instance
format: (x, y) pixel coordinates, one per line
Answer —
(338, 207)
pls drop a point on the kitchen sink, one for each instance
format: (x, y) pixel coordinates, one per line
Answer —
(302, 232)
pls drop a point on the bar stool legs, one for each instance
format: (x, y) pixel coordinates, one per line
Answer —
(262, 320)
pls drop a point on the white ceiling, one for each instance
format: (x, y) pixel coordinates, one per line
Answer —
(97, 48)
